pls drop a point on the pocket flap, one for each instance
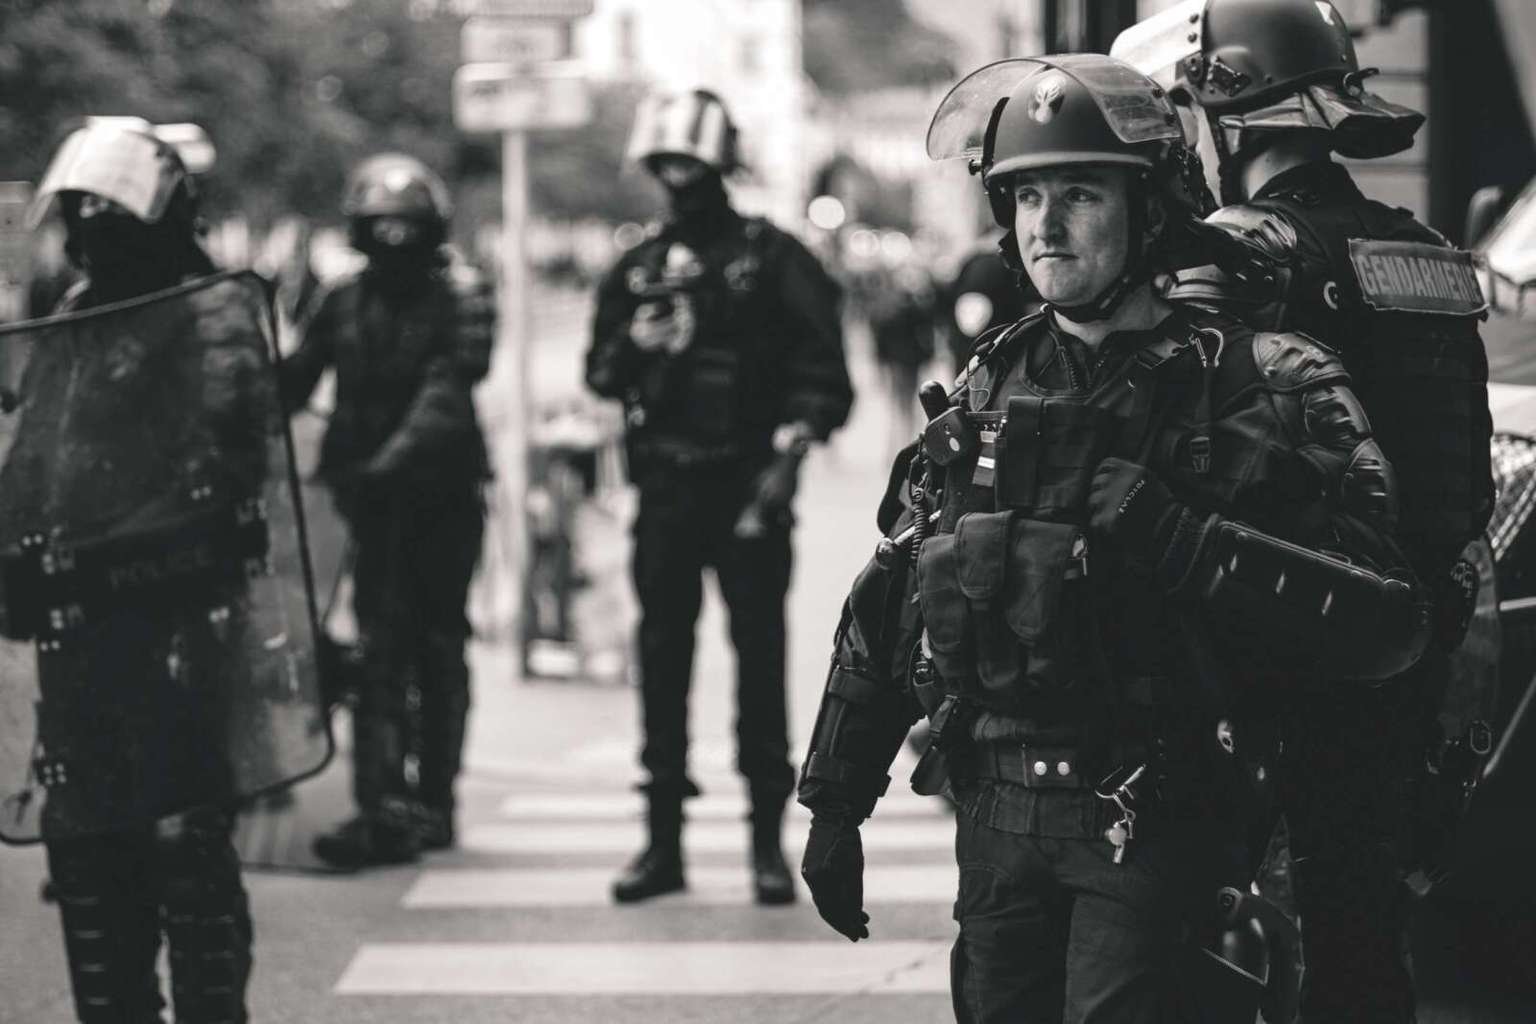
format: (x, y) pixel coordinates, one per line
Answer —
(981, 554)
(1037, 566)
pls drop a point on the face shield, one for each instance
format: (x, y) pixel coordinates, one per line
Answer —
(124, 164)
(1159, 46)
(1130, 108)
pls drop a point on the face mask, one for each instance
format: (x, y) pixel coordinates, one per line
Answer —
(121, 252)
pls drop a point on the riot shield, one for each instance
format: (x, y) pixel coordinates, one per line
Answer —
(157, 626)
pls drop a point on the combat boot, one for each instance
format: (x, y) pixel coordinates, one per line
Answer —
(434, 828)
(772, 881)
(364, 842)
(659, 867)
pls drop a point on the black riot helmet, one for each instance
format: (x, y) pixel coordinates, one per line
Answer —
(396, 204)
(1262, 66)
(1074, 109)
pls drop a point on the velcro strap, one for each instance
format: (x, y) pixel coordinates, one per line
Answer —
(854, 688)
(846, 773)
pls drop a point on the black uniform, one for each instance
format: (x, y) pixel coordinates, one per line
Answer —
(767, 351)
(405, 460)
(1089, 606)
(1386, 293)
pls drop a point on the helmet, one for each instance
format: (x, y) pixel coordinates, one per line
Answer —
(1086, 108)
(395, 203)
(396, 185)
(128, 161)
(1269, 65)
(1061, 110)
(693, 124)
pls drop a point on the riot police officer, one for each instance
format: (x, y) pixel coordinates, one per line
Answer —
(174, 662)
(720, 333)
(1132, 522)
(1281, 89)
(405, 460)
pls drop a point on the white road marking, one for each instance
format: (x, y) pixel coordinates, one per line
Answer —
(476, 889)
(698, 837)
(827, 967)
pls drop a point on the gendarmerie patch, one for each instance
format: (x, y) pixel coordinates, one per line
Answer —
(1414, 277)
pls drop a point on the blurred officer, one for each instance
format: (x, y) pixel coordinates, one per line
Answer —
(405, 460)
(720, 333)
(147, 444)
(1280, 88)
(984, 294)
(1137, 512)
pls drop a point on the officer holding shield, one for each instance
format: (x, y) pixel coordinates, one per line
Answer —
(157, 616)
(1128, 525)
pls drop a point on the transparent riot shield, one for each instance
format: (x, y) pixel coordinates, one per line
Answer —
(157, 615)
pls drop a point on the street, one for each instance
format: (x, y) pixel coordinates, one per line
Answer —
(516, 923)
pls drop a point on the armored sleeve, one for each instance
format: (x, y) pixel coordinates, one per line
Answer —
(300, 370)
(1256, 256)
(866, 709)
(442, 412)
(817, 387)
(612, 358)
(1337, 588)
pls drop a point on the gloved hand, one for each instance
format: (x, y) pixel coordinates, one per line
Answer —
(772, 492)
(1129, 504)
(658, 326)
(833, 869)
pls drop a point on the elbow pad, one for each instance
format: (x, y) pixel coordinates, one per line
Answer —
(859, 729)
(1357, 623)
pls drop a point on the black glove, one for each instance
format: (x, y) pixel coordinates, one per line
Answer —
(833, 869)
(1130, 505)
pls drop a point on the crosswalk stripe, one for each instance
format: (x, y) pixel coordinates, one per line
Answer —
(725, 806)
(701, 837)
(477, 888)
(829, 967)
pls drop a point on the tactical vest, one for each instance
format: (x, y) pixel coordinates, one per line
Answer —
(703, 403)
(1010, 622)
(377, 381)
(1401, 306)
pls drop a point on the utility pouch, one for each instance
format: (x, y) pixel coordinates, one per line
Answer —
(950, 437)
(1047, 452)
(711, 399)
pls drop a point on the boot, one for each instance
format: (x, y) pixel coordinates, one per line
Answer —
(772, 881)
(364, 842)
(659, 867)
(434, 828)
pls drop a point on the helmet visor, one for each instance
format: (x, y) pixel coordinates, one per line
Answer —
(1133, 111)
(1158, 45)
(691, 124)
(133, 170)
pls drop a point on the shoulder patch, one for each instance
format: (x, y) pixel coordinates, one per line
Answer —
(1293, 361)
(1416, 277)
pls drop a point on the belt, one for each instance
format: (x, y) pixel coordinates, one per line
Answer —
(1031, 764)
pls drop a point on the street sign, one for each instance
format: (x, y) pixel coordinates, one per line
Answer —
(503, 97)
(15, 248)
(535, 8)
(514, 40)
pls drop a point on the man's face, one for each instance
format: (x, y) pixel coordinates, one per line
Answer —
(1071, 224)
(678, 171)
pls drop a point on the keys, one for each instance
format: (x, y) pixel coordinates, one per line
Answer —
(1120, 834)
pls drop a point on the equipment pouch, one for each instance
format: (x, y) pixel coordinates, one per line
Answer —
(711, 399)
(946, 615)
(1047, 452)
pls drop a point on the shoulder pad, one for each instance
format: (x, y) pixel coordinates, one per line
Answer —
(1293, 361)
(1266, 229)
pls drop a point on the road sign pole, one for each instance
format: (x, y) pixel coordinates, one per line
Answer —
(515, 322)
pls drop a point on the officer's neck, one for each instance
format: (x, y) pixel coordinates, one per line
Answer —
(1141, 310)
(1288, 150)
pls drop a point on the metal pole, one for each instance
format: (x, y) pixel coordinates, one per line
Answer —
(514, 343)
